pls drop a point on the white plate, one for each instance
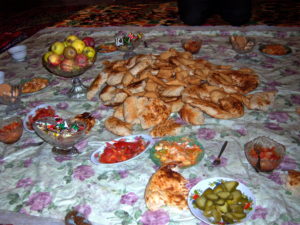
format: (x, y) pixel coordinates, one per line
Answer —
(32, 113)
(95, 160)
(212, 182)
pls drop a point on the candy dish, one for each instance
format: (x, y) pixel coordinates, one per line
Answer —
(264, 154)
(198, 192)
(62, 134)
(11, 130)
(143, 141)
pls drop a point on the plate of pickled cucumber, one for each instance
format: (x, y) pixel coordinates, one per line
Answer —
(221, 201)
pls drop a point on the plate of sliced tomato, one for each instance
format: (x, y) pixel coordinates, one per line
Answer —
(122, 150)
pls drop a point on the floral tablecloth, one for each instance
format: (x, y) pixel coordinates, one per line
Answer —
(36, 182)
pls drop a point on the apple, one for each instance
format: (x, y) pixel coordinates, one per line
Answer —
(67, 65)
(81, 60)
(58, 47)
(70, 52)
(89, 41)
(70, 39)
(46, 55)
(78, 45)
(54, 59)
(89, 52)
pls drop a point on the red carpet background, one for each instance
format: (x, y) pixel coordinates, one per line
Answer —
(126, 12)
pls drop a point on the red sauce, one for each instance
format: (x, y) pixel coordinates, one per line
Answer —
(40, 113)
(11, 132)
(121, 151)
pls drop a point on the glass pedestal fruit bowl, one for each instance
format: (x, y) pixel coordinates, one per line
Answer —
(62, 134)
(69, 69)
(11, 129)
(264, 154)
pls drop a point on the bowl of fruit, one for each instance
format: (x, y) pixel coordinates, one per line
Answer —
(264, 154)
(70, 58)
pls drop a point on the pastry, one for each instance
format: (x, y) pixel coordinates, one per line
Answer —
(293, 182)
(86, 118)
(166, 188)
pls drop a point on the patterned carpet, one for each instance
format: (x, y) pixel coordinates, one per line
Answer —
(132, 12)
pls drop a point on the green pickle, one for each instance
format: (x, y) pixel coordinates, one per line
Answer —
(200, 202)
(224, 203)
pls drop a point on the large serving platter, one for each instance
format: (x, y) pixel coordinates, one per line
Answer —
(95, 155)
(211, 183)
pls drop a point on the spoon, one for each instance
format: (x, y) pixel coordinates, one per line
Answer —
(217, 161)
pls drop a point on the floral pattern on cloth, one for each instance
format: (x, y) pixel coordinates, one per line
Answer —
(34, 181)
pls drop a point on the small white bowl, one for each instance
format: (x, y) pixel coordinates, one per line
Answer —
(18, 52)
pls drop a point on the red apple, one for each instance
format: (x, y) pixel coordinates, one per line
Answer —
(55, 59)
(89, 41)
(81, 60)
(67, 65)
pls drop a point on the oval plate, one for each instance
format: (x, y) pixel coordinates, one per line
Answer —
(23, 81)
(178, 139)
(95, 154)
(288, 51)
(211, 183)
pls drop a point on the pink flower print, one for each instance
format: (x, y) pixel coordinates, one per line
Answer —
(206, 133)
(275, 176)
(123, 173)
(259, 213)
(158, 217)
(62, 158)
(192, 182)
(38, 201)
(288, 163)
(295, 99)
(130, 198)
(62, 105)
(83, 172)
(25, 182)
(280, 117)
(27, 162)
(81, 145)
(84, 209)
(273, 126)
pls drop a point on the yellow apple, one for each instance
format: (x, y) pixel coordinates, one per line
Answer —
(58, 47)
(71, 38)
(46, 55)
(78, 45)
(89, 52)
(55, 59)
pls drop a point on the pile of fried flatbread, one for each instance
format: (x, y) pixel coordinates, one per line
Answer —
(146, 89)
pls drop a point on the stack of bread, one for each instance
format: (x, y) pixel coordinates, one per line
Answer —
(147, 89)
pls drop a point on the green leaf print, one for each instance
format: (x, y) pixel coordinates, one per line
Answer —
(86, 106)
(13, 198)
(284, 217)
(127, 220)
(9, 165)
(67, 179)
(102, 176)
(18, 208)
(122, 214)
(138, 214)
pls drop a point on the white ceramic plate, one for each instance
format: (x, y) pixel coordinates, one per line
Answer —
(32, 113)
(130, 138)
(212, 182)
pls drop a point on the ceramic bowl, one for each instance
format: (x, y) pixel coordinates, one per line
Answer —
(11, 130)
(271, 153)
(18, 52)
